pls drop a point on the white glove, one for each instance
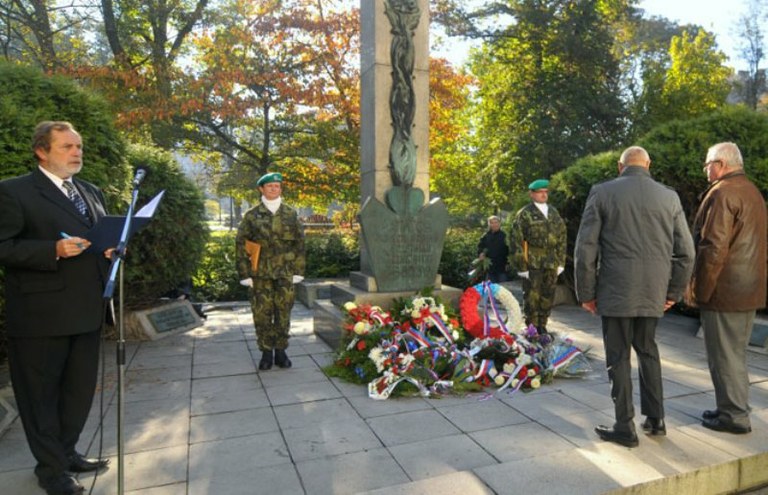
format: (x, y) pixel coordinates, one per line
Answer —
(560, 269)
(297, 279)
(522, 274)
(248, 282)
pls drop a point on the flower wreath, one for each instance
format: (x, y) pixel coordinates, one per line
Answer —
(475, 325)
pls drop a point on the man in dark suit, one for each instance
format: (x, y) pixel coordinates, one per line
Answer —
(54, 302)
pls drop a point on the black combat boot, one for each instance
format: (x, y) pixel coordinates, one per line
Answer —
(266, 360)
(281, 359)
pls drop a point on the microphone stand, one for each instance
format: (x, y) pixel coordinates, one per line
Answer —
(117, 266)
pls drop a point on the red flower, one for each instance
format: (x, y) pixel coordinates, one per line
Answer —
(361, 345)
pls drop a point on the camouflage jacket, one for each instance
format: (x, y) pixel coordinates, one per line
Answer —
(281, 239)
(536, 241)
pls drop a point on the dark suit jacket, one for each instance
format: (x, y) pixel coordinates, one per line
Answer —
(46, 296)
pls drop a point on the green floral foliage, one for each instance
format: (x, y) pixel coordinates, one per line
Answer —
(165, 254)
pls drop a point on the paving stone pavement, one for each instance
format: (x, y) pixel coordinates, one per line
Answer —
(200, 419)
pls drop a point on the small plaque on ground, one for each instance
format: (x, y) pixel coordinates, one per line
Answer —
(168, 319)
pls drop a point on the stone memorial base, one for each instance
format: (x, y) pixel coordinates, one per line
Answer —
(309, 290)
(169, 319)
(328, 316)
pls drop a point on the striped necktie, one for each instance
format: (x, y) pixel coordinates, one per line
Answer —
(75, 197)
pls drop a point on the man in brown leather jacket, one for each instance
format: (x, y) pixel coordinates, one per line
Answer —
(729, 280)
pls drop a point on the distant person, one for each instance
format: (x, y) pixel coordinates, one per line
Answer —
(633, 258)
(54, 302)
(729, 281)
(538, 241)
(493, 245)
(275, 227)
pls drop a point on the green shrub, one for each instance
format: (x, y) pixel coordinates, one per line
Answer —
(332, 254)
(458, 252)
(27, 97)
(216, 277)
(164, 255)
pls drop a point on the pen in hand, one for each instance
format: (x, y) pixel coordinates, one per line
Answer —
(64, 235)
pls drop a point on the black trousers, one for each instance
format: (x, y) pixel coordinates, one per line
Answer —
(54, 379)
(620, 336)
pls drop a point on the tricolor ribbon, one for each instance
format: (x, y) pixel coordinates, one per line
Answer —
(442, 327)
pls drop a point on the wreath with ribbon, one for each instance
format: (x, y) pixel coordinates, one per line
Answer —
(488, 294)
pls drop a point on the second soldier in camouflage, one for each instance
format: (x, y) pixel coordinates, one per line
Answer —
(537, 247)
(275, 227)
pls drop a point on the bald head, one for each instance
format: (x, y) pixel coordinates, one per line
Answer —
(635, 156)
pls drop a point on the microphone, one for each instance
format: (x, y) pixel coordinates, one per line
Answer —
(141, 174)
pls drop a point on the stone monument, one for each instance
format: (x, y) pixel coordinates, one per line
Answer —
(402, 230)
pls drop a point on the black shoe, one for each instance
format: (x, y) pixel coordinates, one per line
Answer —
(710, 414)
(266, 360)
(281, 359)
(78, 463)
(718, 424)
(611, 435)
(62, 484)
(654, 426)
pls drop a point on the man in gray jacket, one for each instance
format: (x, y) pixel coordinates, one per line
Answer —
(633, 257)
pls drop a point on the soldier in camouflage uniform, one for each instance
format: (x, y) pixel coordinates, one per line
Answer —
(537, 247)
(275, 227)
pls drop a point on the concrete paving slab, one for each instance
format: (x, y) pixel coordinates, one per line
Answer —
(235, 456)
(329, 439)
(414, 426)
(460, 483)
(302, 392)
(246, 480)
(484, 415)
(369, 408)
(309, 413)
(228, 402)
(213, 386)
(293, 376)
(350, 473)
(232, 424)
(438, 456)
(521, 441)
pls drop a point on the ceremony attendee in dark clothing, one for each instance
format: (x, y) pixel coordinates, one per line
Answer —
(274, 227)
(54, 302)
(729, 281)
(538, 240)
(633, 258)
(493, 245)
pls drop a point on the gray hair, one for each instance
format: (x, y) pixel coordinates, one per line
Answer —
(728, 152)
(634, 155)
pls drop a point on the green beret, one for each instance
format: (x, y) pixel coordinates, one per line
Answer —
(270, 177)
(538, 184)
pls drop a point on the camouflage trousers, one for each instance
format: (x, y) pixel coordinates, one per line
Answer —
(271, 303)
(538, 296)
